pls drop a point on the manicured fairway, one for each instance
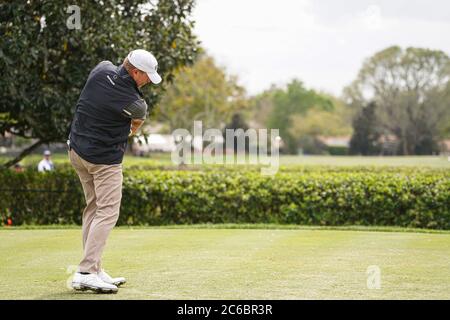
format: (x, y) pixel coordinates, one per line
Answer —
(191, 263)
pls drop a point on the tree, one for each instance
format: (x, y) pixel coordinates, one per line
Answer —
(260, 107)
(412, 92)
(45, 64)
(294, 100)
(237, 122)
(319, 121)
(366, 135)
(202, 92)
(316, 122)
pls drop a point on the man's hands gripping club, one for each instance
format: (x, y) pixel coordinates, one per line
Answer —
(135, 125)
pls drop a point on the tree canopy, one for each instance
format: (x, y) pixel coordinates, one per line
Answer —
(277, 107)
(45, 64)
(366, 135)
(201, 92)
(411, 89)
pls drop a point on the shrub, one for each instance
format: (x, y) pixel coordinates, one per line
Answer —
(384, 198)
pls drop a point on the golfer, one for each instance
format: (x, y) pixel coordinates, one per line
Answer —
(110, 109)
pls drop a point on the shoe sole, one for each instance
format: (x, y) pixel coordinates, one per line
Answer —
(118, 284)
(83, 287)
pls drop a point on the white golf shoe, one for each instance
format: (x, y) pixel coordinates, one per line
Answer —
(92, 282)
(108, 279)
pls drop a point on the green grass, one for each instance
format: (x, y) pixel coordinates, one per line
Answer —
(419, 161)
(271, 226)
(163, 160)
(230, 263)
(62, 158)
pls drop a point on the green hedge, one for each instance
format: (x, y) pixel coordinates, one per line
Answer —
(41, 198)
(420, 199)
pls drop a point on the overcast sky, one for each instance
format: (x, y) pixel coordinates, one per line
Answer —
(321, 42)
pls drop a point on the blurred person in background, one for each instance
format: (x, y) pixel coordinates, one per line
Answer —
(46, 164)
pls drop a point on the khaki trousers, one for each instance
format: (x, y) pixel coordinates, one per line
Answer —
(102, 186)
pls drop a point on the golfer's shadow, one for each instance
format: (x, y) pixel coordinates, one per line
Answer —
(69, 294)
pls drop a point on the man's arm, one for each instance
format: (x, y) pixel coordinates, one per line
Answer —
(137, 111)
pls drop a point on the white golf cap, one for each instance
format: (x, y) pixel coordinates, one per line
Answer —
(47, 153)
(145, 61)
